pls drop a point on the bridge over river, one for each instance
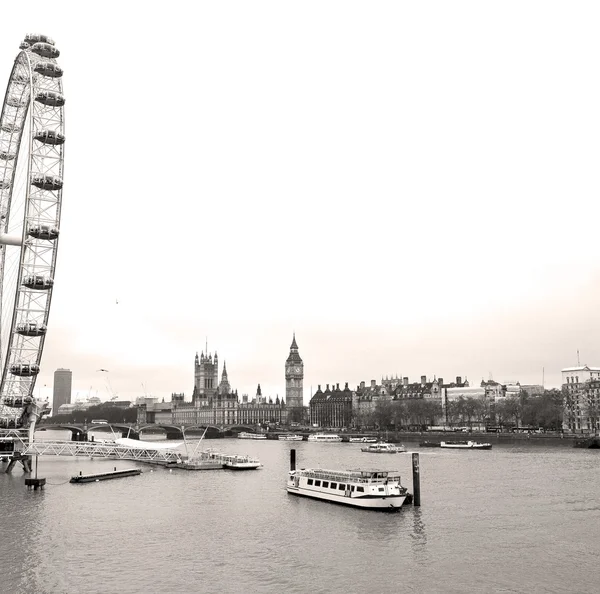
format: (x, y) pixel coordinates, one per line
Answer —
(80, 431)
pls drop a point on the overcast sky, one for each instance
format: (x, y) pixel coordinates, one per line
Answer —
(411, 187)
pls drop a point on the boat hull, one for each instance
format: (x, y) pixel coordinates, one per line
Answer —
(388, 504)
(320, 438)
(251, 436)
(242, 465)
(466, 446)
(200, 466)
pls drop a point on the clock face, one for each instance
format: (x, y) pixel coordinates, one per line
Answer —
(297, 369)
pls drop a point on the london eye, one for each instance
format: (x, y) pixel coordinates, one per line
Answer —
(31, 180)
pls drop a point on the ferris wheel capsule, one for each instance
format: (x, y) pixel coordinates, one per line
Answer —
(16, 101)
(47, 182)
(38, 282)
(49, 137)
(25, 370)
(31, 329)
(50, 98)
(43, 232)
(32, 38)
(10, 127)
(45, 50)
(49, 69)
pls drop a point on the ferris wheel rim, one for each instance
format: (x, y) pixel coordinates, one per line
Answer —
(38, 75)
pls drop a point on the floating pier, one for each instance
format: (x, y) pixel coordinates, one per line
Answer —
(104, 476)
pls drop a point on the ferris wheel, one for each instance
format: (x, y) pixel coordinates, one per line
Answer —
(31, 180)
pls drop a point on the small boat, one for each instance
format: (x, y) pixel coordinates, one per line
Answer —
(430, 444)
(104, 476)
(245, 435)
(290, 437)
(363, 440)
(379, 490)
(238, 462)
(466, 445)
(324, 437)
(383, 448)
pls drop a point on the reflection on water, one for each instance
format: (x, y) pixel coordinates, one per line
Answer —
(504, 520)
(419, 536)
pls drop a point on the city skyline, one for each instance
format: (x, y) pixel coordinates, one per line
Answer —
(408, 193)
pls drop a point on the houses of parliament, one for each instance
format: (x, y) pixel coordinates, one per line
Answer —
(215, 403)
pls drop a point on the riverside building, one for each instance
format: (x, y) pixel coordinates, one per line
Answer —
(61, 391)
(581, 399)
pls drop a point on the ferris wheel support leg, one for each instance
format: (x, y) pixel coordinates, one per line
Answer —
(31, 432)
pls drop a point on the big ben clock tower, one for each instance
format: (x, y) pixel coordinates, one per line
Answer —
(294, 377)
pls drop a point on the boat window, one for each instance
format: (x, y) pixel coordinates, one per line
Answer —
(326, 484)
(360, 489)
(341, 487)
(309, 482)
(333, 486)
(381, 489)
(317, 483)
(352, 488)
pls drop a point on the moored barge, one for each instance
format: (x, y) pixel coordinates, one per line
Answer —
(104, 476)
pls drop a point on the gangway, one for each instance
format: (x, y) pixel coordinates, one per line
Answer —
(109, 450)
(15, 445)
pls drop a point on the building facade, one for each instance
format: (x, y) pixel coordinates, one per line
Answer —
(61, 391)
(261, 411)
(217, 404)
(332, 407)
(581, 400)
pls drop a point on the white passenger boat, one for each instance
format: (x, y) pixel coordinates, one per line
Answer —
(466, 445)
(324, 437)
(362, 440)
(290, 437)
(368, 489)
(244, 435)
(383, 448)
(238, 462)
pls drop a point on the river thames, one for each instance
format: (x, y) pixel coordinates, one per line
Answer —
(513, 519)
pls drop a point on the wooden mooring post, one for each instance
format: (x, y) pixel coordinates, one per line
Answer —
(293, 459)
(416, 480)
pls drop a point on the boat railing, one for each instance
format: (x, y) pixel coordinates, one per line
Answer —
(351, 476)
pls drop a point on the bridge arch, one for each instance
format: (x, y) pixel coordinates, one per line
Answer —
(172, 431)
(212, 430)
(124, 429)
(77, 433)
